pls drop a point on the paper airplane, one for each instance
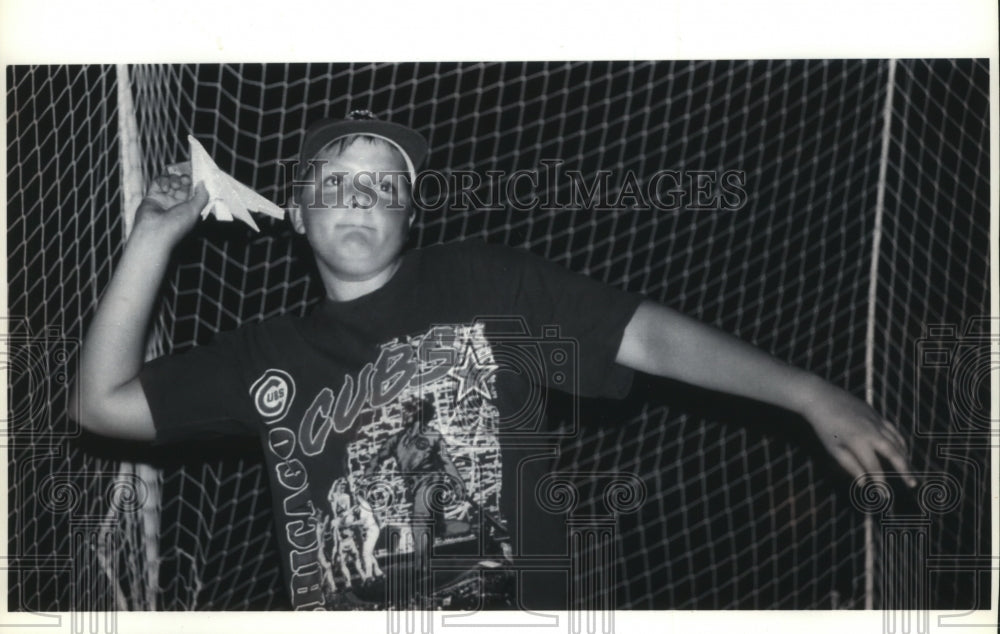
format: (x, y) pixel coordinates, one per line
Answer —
(227, 197)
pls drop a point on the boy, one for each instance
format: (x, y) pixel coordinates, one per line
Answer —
(414, 364)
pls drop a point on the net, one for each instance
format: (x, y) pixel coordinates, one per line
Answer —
(932, 328)
(741, 511)
(63, 235)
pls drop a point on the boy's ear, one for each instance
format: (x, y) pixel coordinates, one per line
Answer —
(295, 215)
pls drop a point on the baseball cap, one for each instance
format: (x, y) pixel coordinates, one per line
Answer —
(410, 143)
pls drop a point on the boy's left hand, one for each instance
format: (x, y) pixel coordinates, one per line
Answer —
(856, 435)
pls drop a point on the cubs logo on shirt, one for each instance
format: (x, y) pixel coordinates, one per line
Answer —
(272, 394)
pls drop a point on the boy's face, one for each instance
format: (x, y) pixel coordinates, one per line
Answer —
(358, 226)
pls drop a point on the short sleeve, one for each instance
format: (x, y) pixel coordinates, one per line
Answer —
(591, 314)
(200, 392)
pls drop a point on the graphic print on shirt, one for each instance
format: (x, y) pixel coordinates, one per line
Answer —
(421, 469)
(273, 394)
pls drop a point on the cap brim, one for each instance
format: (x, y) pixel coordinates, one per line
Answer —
(409, 141)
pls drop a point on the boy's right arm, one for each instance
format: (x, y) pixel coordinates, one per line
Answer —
(107, 397)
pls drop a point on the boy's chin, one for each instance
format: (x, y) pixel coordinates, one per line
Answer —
(361, 264)
(355, 250)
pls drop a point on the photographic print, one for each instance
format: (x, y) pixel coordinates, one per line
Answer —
(534, 336)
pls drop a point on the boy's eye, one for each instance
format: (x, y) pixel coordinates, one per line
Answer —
(333, 180)
(386, 186)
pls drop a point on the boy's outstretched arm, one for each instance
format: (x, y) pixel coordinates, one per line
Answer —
(661, 341)
(107, 397)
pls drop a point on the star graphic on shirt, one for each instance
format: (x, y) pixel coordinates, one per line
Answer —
(471, 374)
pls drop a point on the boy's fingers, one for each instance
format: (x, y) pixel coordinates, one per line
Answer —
(862, 457)
(873, 469)
(199, 196)
(849, 463)
(886, 435)
(897, 435)
(162, 182)
(899, 463)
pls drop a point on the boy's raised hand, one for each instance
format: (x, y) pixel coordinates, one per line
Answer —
(856, 435)
(171, 207)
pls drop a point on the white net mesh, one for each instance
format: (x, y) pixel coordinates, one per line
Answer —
(932, 327)
(63, 234)
(742, 512)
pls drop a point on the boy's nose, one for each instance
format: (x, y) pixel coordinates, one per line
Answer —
(356, 205)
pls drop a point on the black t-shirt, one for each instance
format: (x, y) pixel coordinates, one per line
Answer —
(404, 430)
